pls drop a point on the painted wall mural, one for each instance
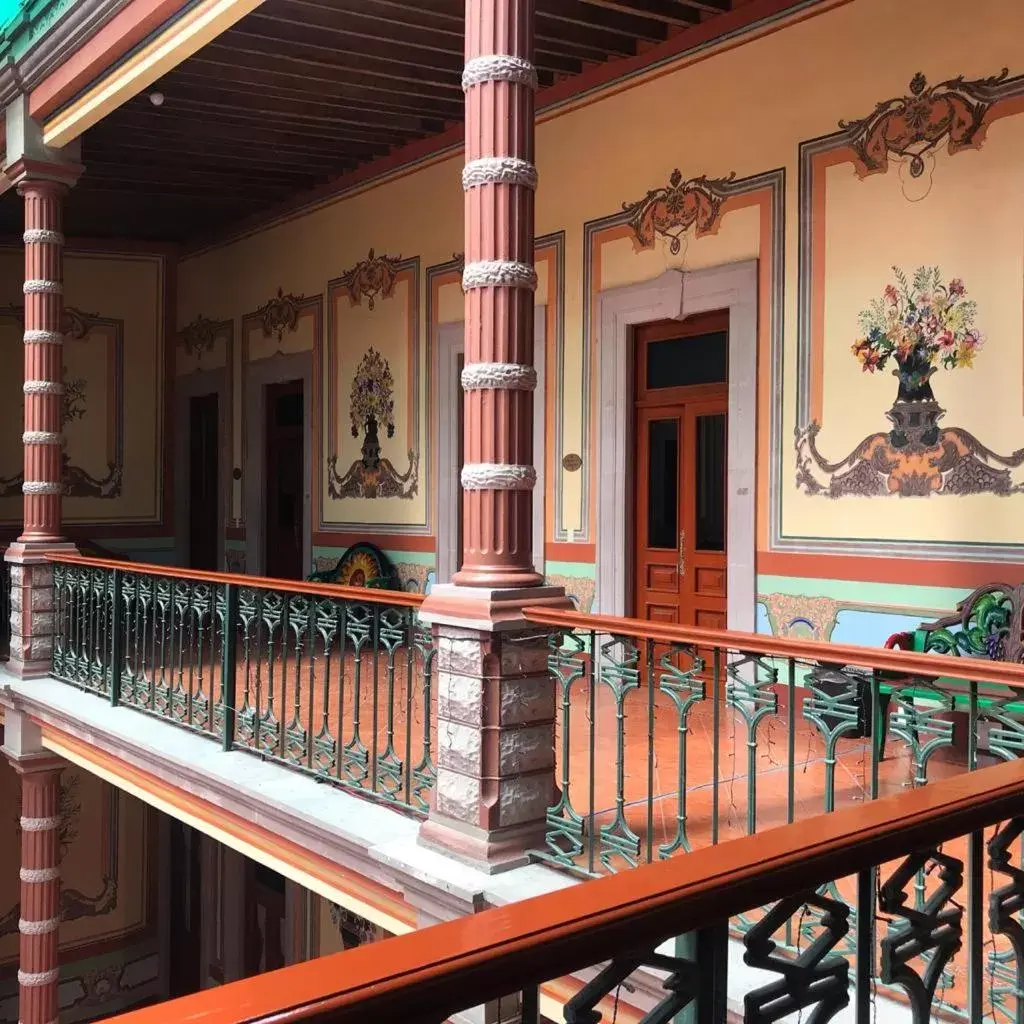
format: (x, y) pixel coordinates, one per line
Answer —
(371, 279)
(280, 314)
(78, 481)
(915, 125)
(670, 211)
(372, 407)
(920, 325)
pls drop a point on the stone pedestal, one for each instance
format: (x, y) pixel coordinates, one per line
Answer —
(32, 607)
(495, 725)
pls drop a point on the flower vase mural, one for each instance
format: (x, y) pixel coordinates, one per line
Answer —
(372, 409)
(921, 325)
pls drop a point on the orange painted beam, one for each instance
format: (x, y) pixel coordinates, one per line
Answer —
(120, 35)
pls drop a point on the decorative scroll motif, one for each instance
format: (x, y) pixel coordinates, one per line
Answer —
(371, 278)
(459, 266)
(812, 978)
(372, 405)
(987, 624)
(673, 209)
(932, 929)
(200, 335)
(280, 314)
(915, 125)
(921, 324)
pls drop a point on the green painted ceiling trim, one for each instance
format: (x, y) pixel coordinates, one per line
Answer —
(24, 22)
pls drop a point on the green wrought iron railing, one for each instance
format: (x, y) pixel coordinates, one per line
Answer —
(671, 740)
(333, 681)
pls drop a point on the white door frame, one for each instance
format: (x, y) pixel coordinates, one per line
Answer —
(196, 385)
(450, 343)
(257, 376)
(675, 295)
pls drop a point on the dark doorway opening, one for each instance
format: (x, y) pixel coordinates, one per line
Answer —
(203, 483)
(284, 482)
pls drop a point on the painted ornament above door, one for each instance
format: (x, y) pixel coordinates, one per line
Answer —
(921, 325)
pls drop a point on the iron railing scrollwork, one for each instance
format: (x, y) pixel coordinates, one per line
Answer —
(333, 686)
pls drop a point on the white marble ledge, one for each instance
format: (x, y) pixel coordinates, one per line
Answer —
(359, 834)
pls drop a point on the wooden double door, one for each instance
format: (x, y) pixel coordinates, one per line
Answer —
(681, 440)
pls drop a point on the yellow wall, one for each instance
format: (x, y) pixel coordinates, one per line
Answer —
(752, 109)
(116, 433)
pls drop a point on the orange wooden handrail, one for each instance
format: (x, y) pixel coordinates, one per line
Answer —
(365, 595)
(820, 651)
(429, 974)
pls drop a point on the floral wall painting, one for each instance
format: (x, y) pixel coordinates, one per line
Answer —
(921, 324)
(371, 409)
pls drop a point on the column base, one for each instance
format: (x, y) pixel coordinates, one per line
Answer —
(487, 610)
(32, 605)
(492, 852)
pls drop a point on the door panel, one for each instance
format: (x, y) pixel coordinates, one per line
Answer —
(680, 558)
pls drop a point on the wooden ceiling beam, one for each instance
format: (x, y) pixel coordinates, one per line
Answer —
(668, 11)
(444, 29)
(248, 40)
(238, 127)
(227, 98)
(431, 51)
(240, 164)
(284, 85)
(708, 6)
(266, 189)
(618, 22)
(231, 139)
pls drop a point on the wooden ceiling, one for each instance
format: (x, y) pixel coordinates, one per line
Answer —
(301, 91)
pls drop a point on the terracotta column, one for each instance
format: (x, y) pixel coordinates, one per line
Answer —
(40, 871)
(42, 185)
(495, 699)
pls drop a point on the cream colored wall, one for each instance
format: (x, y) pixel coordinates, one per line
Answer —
(123, 295)
(743, 109)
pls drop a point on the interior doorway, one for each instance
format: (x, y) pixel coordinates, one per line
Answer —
(186, 899)
(284, 480)
(203, 482)
(680, 553)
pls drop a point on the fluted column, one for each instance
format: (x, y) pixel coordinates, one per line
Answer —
(44, 306)
(496, 704)
(42, 178)
(40, 889)
(499, 280)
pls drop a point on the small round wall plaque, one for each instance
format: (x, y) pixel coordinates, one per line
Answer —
(572, 463)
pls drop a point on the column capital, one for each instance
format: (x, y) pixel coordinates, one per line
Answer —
(24, 174)
(34, 764)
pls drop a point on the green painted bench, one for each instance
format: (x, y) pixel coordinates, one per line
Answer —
(986, 624)
(362, 565)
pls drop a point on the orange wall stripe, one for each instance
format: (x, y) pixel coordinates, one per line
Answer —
(912, 572)
(382, 906)
(385, 541)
